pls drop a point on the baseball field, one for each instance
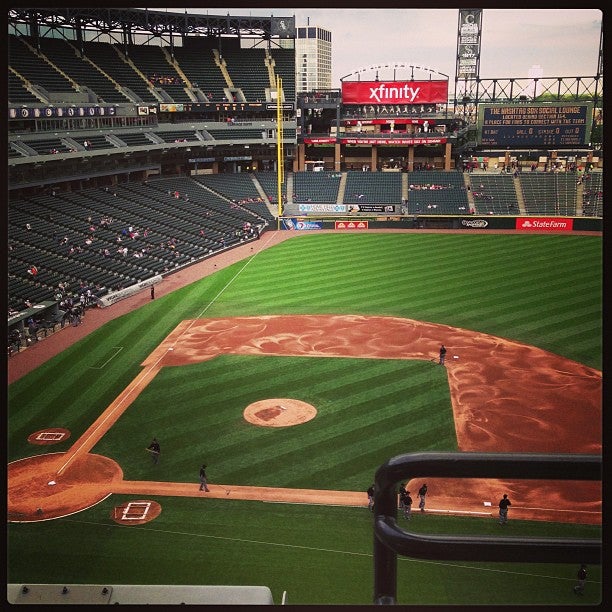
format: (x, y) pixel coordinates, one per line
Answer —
(295, 373)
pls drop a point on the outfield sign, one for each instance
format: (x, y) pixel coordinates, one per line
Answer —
(351, 225)
(299, 224)
(545, 224)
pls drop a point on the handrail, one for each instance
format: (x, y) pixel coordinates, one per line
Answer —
(390, 540)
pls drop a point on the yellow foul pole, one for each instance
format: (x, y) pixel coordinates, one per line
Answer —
(280, 165)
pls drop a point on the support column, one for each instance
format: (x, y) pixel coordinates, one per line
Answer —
(410, 158)
(301, 157)
(374, 160)
(337, 157)
(447, 156)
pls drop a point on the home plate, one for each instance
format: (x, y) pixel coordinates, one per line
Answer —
(51, 482)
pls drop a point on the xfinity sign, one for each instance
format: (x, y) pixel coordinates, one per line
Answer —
(394, 92)
(383, 93)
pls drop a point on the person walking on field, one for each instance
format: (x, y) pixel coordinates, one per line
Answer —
(422, 495)
(582, 576)
(370, 493)
(155, 450)
(203, 479)
(406, 502)
(504, 502)
(442, 354)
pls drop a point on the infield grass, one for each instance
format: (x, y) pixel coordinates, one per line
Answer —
(543, 290)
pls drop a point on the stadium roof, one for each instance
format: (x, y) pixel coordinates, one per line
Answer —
(154, 22)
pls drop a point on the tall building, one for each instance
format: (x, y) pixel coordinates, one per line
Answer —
(313, 58)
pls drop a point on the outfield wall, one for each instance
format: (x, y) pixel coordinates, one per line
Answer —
(451, 222)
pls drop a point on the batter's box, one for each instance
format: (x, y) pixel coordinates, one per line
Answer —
(135, 511)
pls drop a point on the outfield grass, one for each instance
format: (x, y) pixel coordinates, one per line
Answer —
(537, 289)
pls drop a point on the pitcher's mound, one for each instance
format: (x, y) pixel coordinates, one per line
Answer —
(279, 412)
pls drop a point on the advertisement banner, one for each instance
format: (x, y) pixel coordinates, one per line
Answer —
(322, 208)
(545, 224)
(371, 208)
(351, 225)
(394, 92)
(474, 223)
(391, 141)
(298, 224)
(319, 140)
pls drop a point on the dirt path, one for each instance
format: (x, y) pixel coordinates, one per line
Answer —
(551, 399)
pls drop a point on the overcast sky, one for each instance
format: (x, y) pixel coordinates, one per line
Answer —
(564, 42)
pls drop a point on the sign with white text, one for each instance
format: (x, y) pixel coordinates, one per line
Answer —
(394, 92)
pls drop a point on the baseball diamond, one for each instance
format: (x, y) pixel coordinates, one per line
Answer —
(492, 373)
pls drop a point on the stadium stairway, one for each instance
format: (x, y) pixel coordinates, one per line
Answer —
(404, 186)
(262, 193)
(341, 189)
(470, 196)
(519, 196)
(290, 188)
(579, 199)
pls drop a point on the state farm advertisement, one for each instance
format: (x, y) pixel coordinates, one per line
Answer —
(394, 92)
(545, 224)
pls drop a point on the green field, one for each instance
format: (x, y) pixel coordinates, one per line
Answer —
(543, 290)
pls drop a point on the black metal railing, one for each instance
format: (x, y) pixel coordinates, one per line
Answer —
(390, 540)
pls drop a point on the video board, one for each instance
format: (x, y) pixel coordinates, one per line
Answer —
(534, 125)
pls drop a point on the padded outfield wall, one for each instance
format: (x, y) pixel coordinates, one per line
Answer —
(525, 224)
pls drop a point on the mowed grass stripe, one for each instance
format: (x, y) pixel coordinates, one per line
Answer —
(373, 406)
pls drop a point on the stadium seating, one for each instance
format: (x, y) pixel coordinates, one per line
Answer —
(284, 67)
(197, 62)
(437, 192)
(247, 70)
(171, 232)
(68, 59)
(17, 92)
(134, 139)
(269, 183)
(241, 189)
(549, 193)
(494, 193)
(25, 62)
(153, 63)
(111, 61)
(373, 188)
(316, 187)
(592, 194)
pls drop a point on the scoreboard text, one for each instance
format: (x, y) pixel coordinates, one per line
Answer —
(548, 125)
